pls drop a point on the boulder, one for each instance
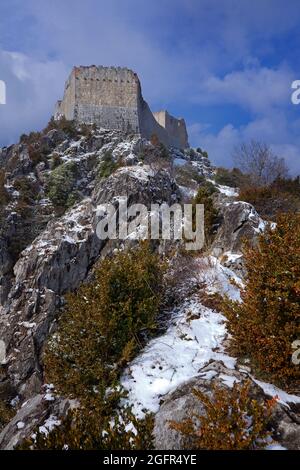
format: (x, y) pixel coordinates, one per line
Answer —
(239, 222)
(37, 413)
(182, 404)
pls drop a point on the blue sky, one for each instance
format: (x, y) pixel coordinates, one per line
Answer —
(226, 66)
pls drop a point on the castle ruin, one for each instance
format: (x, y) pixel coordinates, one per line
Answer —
(111, 97)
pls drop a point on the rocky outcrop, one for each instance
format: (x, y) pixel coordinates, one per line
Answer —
(182, 404)
(240, 222)
(56, 262)
(41, 412)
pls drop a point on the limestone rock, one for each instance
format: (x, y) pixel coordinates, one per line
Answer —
(182, 403)
(36, 413)
(57, 261)
(239, 222)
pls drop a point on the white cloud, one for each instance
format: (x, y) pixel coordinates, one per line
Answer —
(18, 64)
(187, 53)
(32, 87)
(291, 153)
(219, 145)
(257, 89)
(273, 130)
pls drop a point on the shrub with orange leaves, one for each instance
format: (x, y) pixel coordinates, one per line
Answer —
(280, 196)
(266, 323)
(233, 420)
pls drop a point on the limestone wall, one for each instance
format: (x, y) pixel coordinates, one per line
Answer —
(106, 96)
(111, 97)
(175, 128)
(149, 126)
(106, 86)
(66, 106)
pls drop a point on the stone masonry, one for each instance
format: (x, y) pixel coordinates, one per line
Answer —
(111, 97)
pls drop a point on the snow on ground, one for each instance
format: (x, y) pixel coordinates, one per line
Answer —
(187, 192)
(228, 380)
(69, 229)
(232, 257)
(272, 391)
(227, 190)
(179, 162)
(251, 214)
(122, 149)
(275, 447)
(193, 338)
(218, 278)
(142, 173)
(50, 423)
(69, 157)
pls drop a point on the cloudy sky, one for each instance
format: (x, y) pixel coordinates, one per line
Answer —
(225, 65)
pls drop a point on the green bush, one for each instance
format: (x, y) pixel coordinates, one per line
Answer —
(233, 178)
(265, 324)
(4, 196)
(211, 214)
(203, 152)
(102, 325)
(56, 160)
(31, 139)
(87, 130)
(35, 154)
(61, 185)
(163, 152)
(63, 124)
(190, 152)
(6, 414)
(187, 175)
(100, 427)
(280, 196)
(107, 166)
(27, 188)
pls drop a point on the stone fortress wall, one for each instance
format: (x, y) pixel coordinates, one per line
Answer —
(111, 97)
(175, 127)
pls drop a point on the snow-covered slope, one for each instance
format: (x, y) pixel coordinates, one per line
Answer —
(194, 337)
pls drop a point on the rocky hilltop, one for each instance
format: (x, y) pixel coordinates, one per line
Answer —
(51, 185)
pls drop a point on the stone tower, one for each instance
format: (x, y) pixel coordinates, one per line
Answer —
(111, 97)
